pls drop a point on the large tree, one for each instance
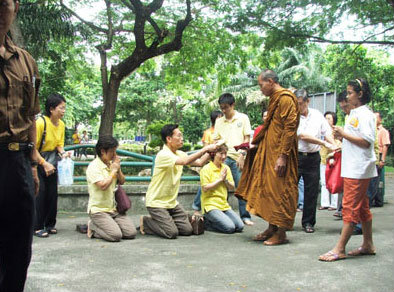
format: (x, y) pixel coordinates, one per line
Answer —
(131, 32)
(292, 23)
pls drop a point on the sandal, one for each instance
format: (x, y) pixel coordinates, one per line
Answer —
(308, 228)
(361, 251)
(331, 257)
(41, 233)
(52, 231)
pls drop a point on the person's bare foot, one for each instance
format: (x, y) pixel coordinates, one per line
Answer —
(142, 231)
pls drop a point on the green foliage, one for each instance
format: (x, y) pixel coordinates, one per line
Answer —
(139, 148)
(186, 147)
(154, 130)
(344, 63)
(41, 23)
(197, 147)
(294, 23)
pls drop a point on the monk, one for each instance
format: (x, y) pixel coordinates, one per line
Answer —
(269, 182)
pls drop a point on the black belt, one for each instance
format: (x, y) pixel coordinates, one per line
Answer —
(16, 146)
(307, 153)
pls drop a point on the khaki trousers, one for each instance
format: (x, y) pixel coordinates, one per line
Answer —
(112, 226)
(168, 223)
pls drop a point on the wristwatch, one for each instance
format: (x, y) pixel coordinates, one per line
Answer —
(34, 163)
(243, 153)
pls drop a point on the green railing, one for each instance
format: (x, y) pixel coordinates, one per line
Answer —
(148, 161)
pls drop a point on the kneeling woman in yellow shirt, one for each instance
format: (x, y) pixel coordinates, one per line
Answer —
(216, 179)
(102, 175)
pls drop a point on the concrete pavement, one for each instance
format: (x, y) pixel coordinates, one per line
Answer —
(69, 261)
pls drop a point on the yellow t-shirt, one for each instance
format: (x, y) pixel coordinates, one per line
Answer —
(214, 199)
(100, 200)
(54, 134)
(163, 189)
(207, 137)
(232, 132)
(76, 138)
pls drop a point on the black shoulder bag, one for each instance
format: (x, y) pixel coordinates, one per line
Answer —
(50, 156)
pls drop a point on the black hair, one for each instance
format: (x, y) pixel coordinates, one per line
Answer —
(334, 116)
(301, 93)
(53, 100)
(342, 96)
(214, 116)
(226, 98)
(105, 143)
(167, 131)
(361, 85)
(269, 74)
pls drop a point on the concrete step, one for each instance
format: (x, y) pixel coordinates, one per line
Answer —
(74, 198)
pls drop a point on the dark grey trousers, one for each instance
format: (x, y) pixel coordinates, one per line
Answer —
(168, 223)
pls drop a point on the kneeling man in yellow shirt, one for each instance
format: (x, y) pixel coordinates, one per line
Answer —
(167, 217)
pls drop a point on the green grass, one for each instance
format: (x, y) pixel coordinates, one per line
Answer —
(389, 169)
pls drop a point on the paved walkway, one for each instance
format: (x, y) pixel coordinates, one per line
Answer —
(69, 261)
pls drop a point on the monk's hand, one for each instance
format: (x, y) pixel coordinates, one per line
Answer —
(280, 165)
(240, 162)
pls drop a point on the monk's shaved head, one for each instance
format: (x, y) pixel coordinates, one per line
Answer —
(269, 74)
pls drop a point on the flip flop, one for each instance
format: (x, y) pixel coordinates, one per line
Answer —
(331, 257)
(41, 233)
(52, 231)
(361, 252)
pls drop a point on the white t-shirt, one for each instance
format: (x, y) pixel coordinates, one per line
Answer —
(314, 124)
(357, 162)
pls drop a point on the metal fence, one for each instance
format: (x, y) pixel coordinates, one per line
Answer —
(146, 160)
(326, 101)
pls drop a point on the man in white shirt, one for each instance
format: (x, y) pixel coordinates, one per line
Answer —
(312, 132)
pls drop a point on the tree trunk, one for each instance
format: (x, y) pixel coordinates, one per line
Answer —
(110, 97)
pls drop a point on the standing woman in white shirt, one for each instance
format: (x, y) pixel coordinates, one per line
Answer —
(358, 166)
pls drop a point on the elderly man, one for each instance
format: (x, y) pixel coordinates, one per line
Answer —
(19, 83)
(313, 126)
(269, 179)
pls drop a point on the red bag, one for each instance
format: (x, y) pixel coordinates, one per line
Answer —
(334, 181)
(123, 202)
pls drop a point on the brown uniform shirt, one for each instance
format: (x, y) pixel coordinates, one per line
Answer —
(19, 85)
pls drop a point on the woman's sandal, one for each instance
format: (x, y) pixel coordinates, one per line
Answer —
(41, 233)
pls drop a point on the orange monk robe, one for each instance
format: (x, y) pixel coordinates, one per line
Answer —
(269, 196)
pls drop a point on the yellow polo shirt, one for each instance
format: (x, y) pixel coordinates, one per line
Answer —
(100, 200)
(214, 199)
(208, 136)
(54, 134)
(232, 132)
(164, 186)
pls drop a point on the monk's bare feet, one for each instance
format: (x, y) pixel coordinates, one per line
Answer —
(267, 234)
(278, 238)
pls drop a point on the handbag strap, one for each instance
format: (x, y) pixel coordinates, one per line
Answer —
(43, 134)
